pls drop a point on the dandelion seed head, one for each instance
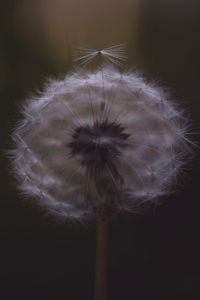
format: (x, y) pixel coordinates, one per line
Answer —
(98, 137)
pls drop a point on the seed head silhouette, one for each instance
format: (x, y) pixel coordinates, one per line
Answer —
(100, 137)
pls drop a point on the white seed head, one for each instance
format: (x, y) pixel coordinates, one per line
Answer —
(98, 137)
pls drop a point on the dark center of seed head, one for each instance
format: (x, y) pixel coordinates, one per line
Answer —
(99, 146)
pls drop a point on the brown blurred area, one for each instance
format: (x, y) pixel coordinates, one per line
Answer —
(155, 256)
(52, 27)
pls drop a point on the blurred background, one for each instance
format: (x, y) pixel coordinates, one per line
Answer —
(155, 256)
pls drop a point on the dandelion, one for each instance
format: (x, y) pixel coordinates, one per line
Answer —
(89, 140)
(99, 142)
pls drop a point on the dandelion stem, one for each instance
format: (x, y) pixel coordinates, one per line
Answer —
(100, 289)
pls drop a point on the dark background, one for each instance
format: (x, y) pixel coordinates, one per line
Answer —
(154, 256)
